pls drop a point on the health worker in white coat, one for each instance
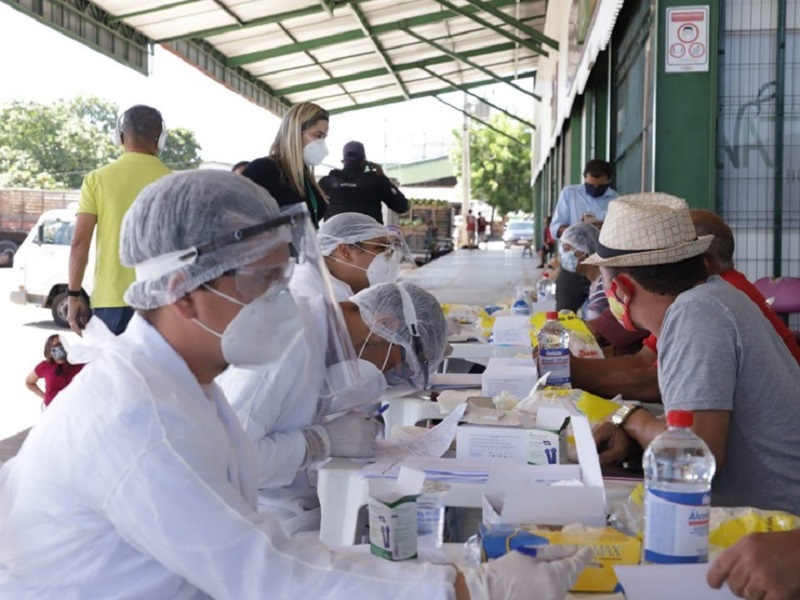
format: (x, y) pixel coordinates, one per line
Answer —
(285, 416)
(140, 483)
(359, 252)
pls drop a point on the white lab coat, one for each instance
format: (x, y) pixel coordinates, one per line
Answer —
(274, 404)
(138, 483)
(305, 283)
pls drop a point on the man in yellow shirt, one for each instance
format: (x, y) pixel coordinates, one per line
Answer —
(106, 195)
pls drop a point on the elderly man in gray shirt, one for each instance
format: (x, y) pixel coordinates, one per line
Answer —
(718, 355)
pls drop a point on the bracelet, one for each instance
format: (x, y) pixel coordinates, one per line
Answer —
(73, 293)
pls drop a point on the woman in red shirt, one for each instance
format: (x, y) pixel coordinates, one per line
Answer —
(56, 371)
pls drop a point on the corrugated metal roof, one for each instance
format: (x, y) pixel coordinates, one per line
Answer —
(345, 54)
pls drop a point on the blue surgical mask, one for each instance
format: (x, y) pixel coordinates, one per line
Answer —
(595, 191)
(569, 261)
(58, 352)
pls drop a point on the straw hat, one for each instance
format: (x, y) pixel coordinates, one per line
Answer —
(647, 229)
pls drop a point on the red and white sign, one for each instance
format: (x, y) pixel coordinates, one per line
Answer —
(687, 39)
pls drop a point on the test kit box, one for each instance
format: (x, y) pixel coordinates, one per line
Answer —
(512, 444)
(393, 515)
(515, 375)
(611, 548)
(549, 495)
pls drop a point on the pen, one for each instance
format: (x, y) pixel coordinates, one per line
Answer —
(378, 412)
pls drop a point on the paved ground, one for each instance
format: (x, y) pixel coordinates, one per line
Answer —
(464, 277)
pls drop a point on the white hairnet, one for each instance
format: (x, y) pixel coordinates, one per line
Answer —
(381, 308)
(582, 236)
(349, 228)
(181, 212)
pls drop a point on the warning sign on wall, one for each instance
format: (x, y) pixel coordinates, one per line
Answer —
(687, 39)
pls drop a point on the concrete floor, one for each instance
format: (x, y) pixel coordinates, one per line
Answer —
(478, 277)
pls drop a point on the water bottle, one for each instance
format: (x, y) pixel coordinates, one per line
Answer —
(521, 306)
(553, 342)
(545, 288)
(678, 468)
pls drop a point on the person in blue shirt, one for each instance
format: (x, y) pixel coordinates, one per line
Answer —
(584, 203)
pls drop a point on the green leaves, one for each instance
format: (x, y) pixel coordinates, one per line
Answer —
(55, 145)
(500, 168)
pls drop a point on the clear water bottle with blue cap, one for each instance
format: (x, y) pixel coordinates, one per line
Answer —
(521, 307)
(678, 469)
(553, 341)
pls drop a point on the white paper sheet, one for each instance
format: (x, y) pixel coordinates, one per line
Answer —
(667, 582)
(434, 442)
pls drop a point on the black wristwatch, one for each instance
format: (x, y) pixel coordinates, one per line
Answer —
(74, 294)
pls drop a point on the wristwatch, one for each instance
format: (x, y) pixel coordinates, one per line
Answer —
(74, 293)
(623, 413)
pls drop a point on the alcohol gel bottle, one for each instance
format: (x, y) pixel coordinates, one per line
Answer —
(545, 288)
(678, 468)
(553, 342)
(521, 306)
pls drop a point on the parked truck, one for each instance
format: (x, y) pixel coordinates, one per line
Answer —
(19, 211)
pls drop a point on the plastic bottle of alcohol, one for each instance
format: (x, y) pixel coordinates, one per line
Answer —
(545, 288)
(678, 469)
(553, 342)
(521, 306)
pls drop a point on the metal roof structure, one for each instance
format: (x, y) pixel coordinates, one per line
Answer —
(342, 54)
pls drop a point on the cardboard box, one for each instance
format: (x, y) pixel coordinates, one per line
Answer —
(512, 330)
(393, 515)
(512, 444)
(515, 375)
(517, 494)
(611, 548)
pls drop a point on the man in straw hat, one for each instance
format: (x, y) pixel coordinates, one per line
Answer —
(717, 354)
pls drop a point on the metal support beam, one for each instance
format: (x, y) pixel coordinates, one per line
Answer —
(212, 62)
(92, 26)
(229, 12)
(148, 11)
(482, 122)
(467, 61)
(359, 14)
(493, 10)
(313, 58)
(395, 99)
(438, 60)
(344, 36)
(494, 106)
(533, 46)
(780, 101)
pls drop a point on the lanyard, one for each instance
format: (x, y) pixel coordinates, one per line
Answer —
(313, 198)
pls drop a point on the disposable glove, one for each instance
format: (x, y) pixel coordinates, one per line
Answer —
(352, 435)
(516, 576)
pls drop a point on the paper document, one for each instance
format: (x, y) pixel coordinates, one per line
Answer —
(434, 442)
(451, 470)
(667, 582)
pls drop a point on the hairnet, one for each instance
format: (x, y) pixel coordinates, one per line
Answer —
(582, 236)
(182, 211)
(349, 228)
(381, 308)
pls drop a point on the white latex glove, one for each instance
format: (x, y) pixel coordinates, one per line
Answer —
(516, 576)
(352, 435)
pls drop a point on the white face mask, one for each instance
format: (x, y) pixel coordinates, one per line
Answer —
(367, 390)
(382, 269)
(315, 152)
(262, 331)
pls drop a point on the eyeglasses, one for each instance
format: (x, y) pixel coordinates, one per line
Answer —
(389, 249)
(254, 281)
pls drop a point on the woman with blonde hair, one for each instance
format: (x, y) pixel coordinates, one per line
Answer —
(298, 147)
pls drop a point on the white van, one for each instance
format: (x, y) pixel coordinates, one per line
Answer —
(41, 264)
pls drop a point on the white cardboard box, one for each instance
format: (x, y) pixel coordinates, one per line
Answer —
(511, 444)
(520, 494)
(515, 375)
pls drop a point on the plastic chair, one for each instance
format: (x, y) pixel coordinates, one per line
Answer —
(786, 294)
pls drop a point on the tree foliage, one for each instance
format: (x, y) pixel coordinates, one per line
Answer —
(500, 167)
(55, 145)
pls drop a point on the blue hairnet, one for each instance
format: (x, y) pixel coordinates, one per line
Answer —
(349, 228)
(582, 236)
(181, 211)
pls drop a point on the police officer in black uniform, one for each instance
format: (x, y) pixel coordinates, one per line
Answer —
(360, 186)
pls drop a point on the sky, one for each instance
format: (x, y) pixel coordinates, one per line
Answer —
(40, 64)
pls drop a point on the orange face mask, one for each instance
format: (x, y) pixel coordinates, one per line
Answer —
(619, 309)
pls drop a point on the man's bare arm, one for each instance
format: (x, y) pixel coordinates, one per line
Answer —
(634, 376)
